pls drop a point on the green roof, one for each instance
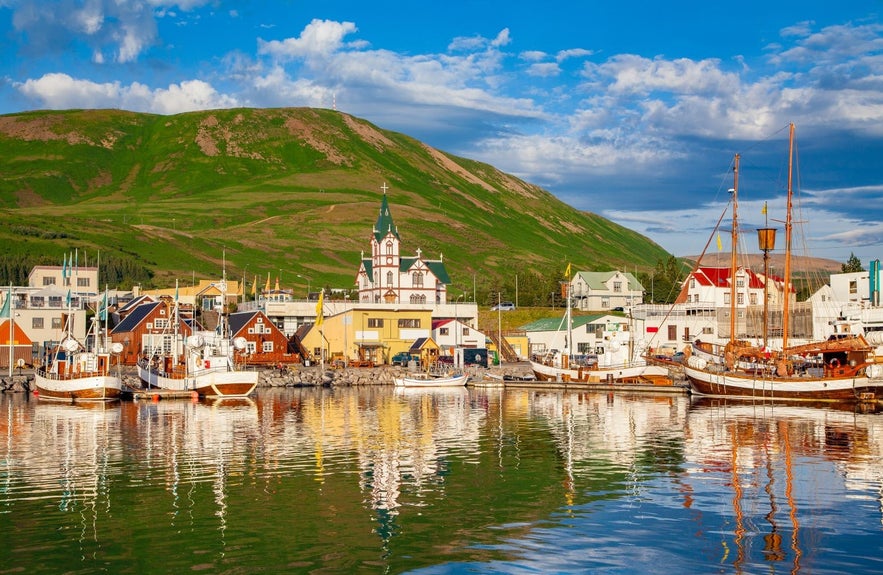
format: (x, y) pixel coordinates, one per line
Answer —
(554, 323)
(384, 223)
(598, 280)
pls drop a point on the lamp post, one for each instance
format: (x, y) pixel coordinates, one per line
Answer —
(457, 321)
(309, 279)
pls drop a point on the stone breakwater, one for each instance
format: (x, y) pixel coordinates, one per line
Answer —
(292, 376)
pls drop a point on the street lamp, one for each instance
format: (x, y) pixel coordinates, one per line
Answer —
(309, 279)
(457, 321)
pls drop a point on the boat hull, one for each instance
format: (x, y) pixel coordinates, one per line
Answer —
(85, 388)
(431, 381)
(621, 375)
(734, 384)
(233, 383)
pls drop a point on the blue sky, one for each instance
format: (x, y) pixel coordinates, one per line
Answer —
(630, 110)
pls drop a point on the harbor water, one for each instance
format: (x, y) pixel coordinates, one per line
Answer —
(477, 480)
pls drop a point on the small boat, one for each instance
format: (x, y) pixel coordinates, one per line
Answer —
(843, 368)
(423, 379)
(74, 373)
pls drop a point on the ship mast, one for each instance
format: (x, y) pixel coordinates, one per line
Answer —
(735, 239)
(788, 226)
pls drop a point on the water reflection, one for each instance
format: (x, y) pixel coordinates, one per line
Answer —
(438, 481)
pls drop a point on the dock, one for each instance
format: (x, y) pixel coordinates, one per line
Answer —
(156, 394)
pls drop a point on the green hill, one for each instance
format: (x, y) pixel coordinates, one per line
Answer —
(291, 192)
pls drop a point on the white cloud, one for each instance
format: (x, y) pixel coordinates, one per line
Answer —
(319, 38)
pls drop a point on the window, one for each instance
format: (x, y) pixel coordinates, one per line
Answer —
(48, 281)
(37, 323)
(409, 323)
(853, 287)
(692, 283)
(672, 332)
(617, 287)
(417, 279)
(160, 323)
(82, 282)
(418, 298)
(707, 330)
(389, 278)
(740, 282)
(250, 347)
(726, 298)
(740, 298)
(375, 322)
(56, 323)
(443, 331)
(753, 298)
(465, 332)
(389, 248)
(267, 347)
(54, 301)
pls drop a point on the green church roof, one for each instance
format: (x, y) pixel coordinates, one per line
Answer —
(384, 223)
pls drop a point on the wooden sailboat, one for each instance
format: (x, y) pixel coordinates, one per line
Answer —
(841, 368)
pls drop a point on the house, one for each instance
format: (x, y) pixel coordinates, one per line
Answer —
(605, 290)
(22, 346)
(368, 333)
(148, 328)
(389, 277)
(607, 336)
(76, 279)
(265, 343)
(452, 334)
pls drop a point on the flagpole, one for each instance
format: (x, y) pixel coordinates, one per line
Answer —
(9, 306)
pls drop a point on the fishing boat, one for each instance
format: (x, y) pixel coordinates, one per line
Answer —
(202, 364)
(426, 379)
(75, 372)
(840, 368)
(619, 369)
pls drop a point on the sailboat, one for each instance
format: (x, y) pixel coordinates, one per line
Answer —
(840, 368)
(566, 367)
(205, 364)
(73, 372)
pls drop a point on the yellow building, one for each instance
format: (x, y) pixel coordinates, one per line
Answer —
(368, 333)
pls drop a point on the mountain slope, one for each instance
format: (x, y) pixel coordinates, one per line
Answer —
(289, 192)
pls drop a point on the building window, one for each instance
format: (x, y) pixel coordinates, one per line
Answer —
(160, 323)
(82, 282)
(692, 283)
(707, 330)
(267, 347)
(417, 279)
(853, 287)
(740, 282)
(37, 323)
(465, 331)
(753, 298)
(54, 301)
(56, 323)
(389, 248)
(672, 332)
(443, 331)
(406, 323)
(48, 281)
(726, 298)
(617, 287)
(740, 298)
(389, 278)
(250, 347)
(375, 322)
(418, 298)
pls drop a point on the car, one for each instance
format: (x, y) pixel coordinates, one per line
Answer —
(403, 358)
(620, 308)
(504, 306)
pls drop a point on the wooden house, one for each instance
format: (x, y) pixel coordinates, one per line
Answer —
(148, 327)
(266, 343)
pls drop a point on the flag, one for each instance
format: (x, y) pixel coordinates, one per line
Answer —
(176, 291)
(102, 313)
(64, 270)
(763, 211)
(319, 309)
(567, 272)
(720, 245)
(277, 283)
(6, 310)
(267, 287)
(254, 286)
(67, 300)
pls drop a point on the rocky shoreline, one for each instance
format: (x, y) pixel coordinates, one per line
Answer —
(292, 376)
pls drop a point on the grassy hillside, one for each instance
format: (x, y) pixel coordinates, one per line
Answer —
(283, 191)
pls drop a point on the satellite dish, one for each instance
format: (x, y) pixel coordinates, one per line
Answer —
(116, 347)
(195, 341)
(71, 345)
(20, 362)
(240, 343)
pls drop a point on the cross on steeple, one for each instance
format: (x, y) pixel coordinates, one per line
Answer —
(384, 188)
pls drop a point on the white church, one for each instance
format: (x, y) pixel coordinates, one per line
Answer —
(387, 277)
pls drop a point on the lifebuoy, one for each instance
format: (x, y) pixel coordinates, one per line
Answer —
(834, 363)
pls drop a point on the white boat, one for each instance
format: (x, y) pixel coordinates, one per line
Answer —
(205, 365)
(423, 379)
(565, 367)
(74, 373)
(841, 368)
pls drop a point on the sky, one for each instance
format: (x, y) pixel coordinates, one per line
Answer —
(631, 110)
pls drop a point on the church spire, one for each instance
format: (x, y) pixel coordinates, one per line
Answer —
(384, 223)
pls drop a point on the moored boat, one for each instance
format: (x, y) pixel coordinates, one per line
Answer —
(431, 380)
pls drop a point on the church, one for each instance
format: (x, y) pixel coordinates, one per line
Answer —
(387, 277)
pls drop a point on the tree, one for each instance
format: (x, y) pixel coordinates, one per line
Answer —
(853, 264)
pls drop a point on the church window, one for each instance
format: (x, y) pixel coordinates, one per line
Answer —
(389, 248)
(418, 279)
(389, 278)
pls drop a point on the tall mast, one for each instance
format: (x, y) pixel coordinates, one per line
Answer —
(788, 225)
(735, 239)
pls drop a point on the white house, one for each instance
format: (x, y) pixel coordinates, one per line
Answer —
(452, 333)
(605, 290)
(609, 337)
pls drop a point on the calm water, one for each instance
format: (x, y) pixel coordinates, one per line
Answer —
(462, 481)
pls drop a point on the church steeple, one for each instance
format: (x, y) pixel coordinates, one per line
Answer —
(384, 223)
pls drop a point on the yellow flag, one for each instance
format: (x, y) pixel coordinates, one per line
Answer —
(277, 283)
(319, 309)
(720, 245)
(763, 211)
(567, 272)
(267, 287)
(254, 286)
